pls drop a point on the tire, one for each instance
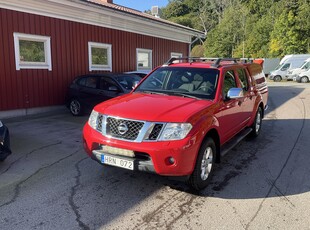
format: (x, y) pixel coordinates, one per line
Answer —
(75, 107)
(304, 79)
(277, 78)
(257, 124)
(204, 166)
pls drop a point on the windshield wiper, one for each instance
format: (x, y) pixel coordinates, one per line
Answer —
(152, 92)
(185, 95)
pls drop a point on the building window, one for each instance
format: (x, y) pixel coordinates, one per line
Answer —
(176, 55)
(100, 56)
(32, 51)
(144, 59)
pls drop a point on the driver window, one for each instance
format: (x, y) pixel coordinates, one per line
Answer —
(91, 82)
(285, 67)
(229, 82)
(108, 84)
(243, 79)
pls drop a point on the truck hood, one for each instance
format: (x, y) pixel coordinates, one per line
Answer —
(152, 107)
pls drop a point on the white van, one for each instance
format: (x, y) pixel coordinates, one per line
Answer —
(287, 63)
(292, 74)
(303, 77)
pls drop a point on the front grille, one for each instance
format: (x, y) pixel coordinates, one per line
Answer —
(131, 130)
(124, 129)
(155, 132)
(99, 123)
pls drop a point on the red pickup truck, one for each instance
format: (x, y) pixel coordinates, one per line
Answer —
(180, 119)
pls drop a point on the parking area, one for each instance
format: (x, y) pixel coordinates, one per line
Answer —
(50, 183)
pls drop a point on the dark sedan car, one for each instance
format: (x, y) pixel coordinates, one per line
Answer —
(88, 90)
(4, 142)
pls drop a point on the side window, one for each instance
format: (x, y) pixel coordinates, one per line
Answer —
(108, 84)
(82, 81)
(91, 82)
(285, 67)
(243, 79)
(306, 66)
(229, 82)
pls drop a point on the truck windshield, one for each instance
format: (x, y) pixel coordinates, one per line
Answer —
(197, 83)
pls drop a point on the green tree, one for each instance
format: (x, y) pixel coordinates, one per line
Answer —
(198, 51)
(229, 34)
(246, 28)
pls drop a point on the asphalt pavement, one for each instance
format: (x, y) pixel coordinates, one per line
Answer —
(50, 183)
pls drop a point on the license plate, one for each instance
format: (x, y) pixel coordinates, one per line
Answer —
(118, 162)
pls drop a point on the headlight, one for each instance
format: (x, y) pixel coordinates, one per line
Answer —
(92, 121)
(1, 124)
(175, 131)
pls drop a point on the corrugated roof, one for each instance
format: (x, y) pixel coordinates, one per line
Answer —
(139, 14)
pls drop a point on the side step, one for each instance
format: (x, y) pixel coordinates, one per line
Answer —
(234, 141)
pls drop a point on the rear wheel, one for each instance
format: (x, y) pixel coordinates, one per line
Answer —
(257, 125)
(277, 78)
(203, 170)
(304, 79)
(75, 107)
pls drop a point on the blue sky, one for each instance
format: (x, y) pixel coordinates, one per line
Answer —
(141, 5)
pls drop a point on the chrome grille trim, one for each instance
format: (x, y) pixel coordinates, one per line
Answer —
(148, 132)
(130, 128)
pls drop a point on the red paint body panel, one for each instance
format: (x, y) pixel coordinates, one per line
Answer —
(140, 106)
(181, 151)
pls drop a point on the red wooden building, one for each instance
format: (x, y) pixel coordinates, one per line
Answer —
(45, 44)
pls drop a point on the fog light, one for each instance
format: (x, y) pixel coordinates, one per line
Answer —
(170, 160)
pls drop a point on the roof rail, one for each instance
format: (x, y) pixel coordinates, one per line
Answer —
(219, 60)
(171, 60)
(216, 61)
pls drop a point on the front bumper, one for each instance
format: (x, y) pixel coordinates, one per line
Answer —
(291, 76)
(148, 156)
(140, 162)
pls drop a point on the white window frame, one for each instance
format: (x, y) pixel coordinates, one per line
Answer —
(150, 55)
(176, 55)
(94, 67)
(33, 65)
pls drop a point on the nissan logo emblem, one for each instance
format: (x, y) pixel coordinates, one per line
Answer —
(122, 128)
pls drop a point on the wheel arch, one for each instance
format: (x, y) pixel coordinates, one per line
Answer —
(261, 105)
(213, 133)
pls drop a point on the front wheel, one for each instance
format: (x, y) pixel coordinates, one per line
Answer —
(75, 107)
(203, 170)
(277, 78)
(257, 124)
(304, 79)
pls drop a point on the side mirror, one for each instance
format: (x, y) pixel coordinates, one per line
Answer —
(235, 93)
